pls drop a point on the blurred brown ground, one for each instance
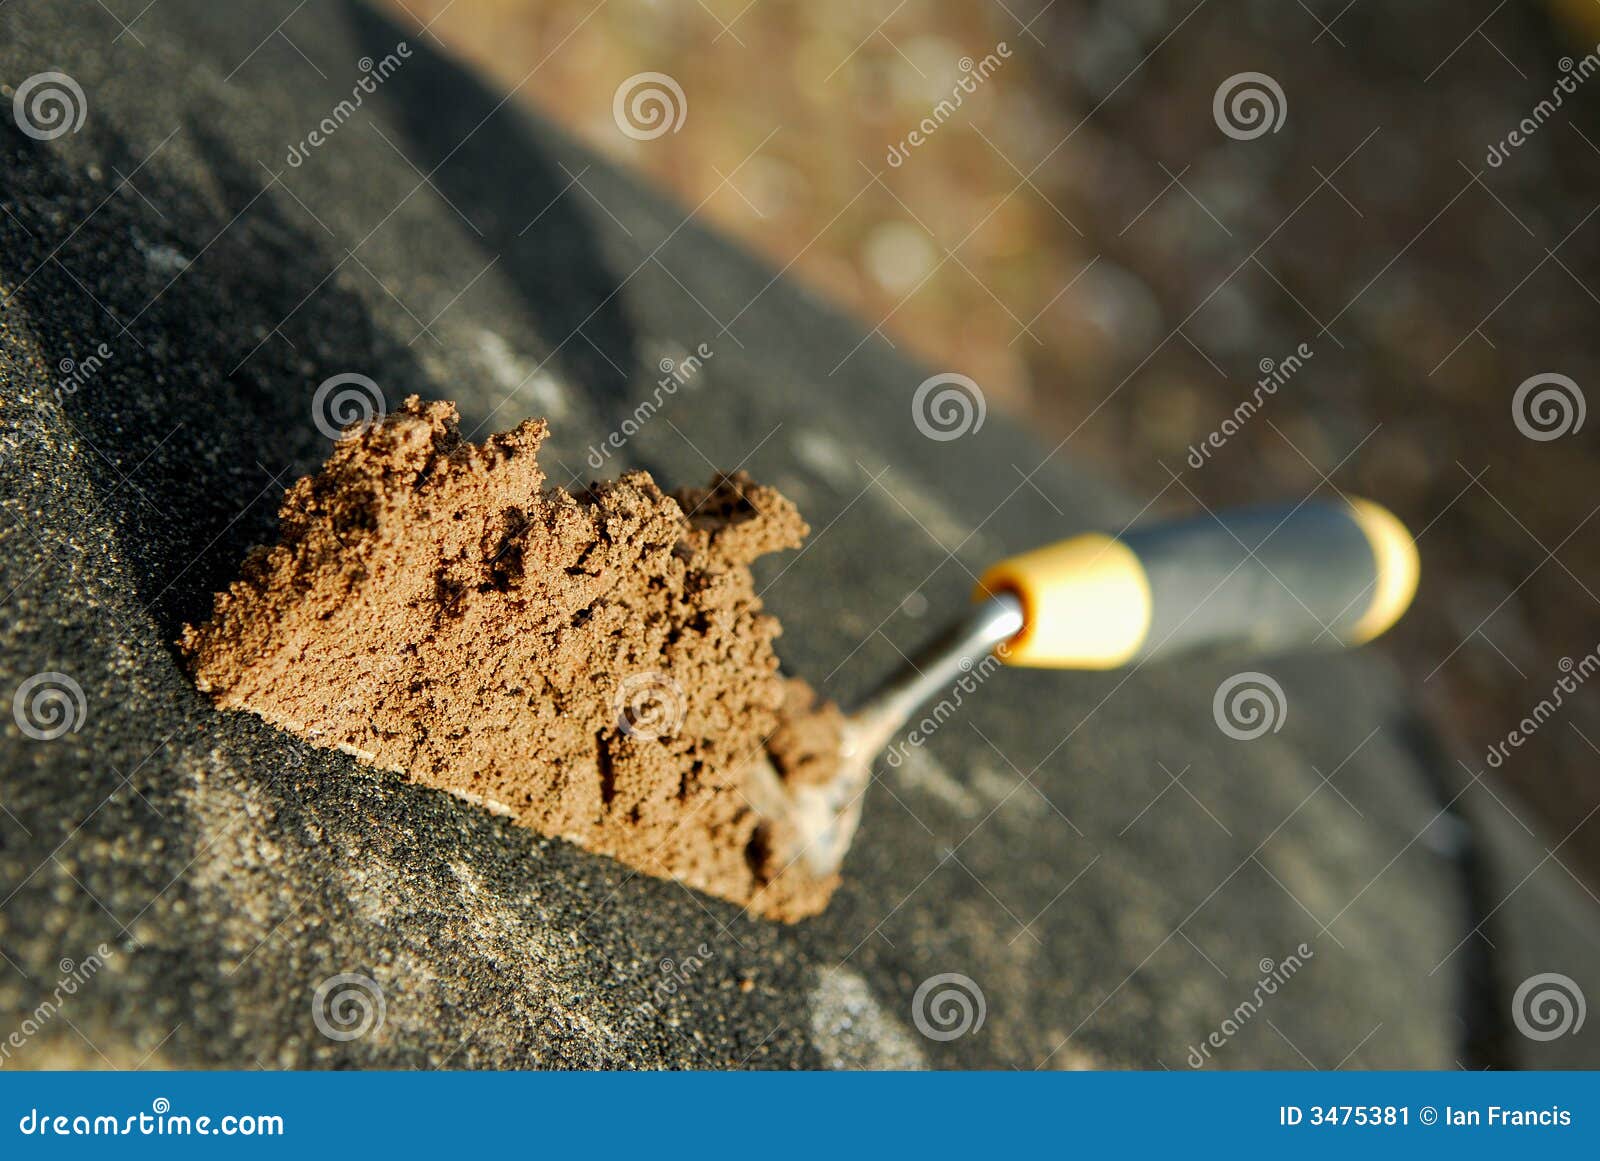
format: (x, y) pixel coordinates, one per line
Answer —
(1081, 240)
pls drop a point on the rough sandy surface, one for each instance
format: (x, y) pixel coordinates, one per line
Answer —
(595, 665)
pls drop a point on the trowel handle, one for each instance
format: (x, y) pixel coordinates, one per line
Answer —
(1266, 578)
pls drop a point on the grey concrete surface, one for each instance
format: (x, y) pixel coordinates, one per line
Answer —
(1107, 867)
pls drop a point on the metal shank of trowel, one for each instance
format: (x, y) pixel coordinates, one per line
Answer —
(825, 815)
(943, 661)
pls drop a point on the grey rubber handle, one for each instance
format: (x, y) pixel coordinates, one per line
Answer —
(1262, 578)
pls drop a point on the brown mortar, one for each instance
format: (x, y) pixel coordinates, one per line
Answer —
(597, 666)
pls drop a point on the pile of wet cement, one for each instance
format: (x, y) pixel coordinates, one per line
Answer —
(596, 665)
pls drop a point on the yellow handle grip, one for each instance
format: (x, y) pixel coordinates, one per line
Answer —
(1265, 578)
(1086, 603)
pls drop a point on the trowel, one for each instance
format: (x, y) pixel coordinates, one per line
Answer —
(1258, 580)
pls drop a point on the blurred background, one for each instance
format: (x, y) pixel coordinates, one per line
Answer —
(1082, 238)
